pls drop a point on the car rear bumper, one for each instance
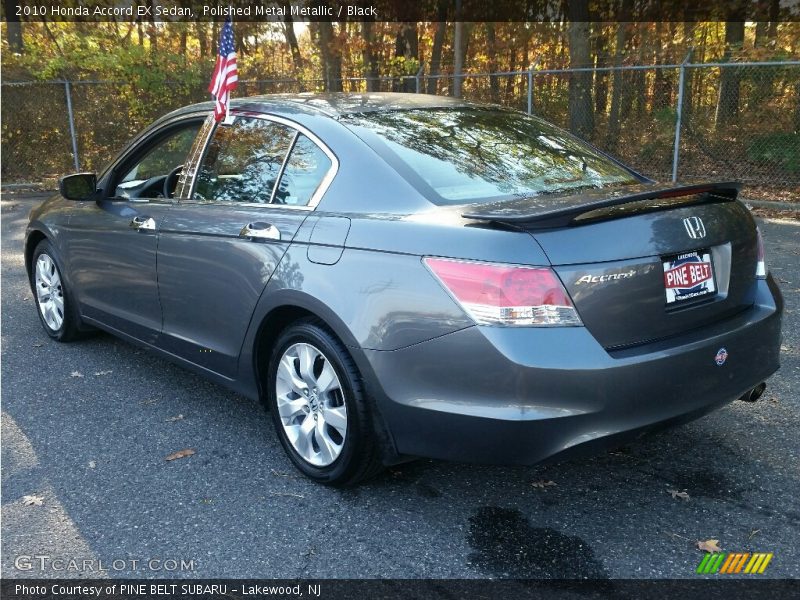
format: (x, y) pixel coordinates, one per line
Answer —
(526, 395)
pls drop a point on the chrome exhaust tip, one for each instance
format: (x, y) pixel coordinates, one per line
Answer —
(755, 393)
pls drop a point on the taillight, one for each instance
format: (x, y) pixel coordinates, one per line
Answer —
(761, 264)
(506, 295)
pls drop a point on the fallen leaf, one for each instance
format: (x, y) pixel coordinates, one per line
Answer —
(32, 500)
(92, 464)
(541, 484)
(101, 373)
(676, 494)
(172, 419)
(76, 374)
(709, 546)
(180, 454)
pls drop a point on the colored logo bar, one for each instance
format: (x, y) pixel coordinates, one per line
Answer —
(734, 562)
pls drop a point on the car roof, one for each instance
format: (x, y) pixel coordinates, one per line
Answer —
(333, 104)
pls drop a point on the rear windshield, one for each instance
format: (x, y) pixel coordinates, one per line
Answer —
(468, 155)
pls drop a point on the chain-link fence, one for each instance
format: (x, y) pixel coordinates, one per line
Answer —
(682, 121)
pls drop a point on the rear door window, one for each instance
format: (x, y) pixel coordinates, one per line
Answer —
(304, 173)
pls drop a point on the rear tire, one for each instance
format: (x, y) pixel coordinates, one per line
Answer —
(316, 398)
(54, 302)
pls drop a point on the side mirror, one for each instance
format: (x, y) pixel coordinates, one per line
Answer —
(78, 186)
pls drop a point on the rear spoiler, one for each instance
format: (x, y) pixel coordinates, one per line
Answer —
(562, 210)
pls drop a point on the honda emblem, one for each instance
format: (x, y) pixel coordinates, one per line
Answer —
(694, 227)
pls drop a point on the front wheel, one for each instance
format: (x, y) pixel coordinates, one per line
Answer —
(318, 407)
(57, 310)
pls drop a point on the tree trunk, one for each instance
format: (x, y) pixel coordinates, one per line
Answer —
(600, 77)
(152, 32)
(730, 77)
(294, 49)
(581, 113)
(661, 86)
(406, 46)
(436, 51)
(370, 60)
(688, 75)
(202, 38)
(761, 34)
(512, 66)
(458, 54)
(460, 57)
(774, 15)
(491, 46)
(612, 134)
(797, 109)
(13, 28)
(331, 58)
(184, 38)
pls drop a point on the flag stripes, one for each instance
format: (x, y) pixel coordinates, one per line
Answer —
(226, 74)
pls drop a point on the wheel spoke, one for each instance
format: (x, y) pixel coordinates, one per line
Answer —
(50, 315)
(327, 449)
(326, 380)
(286, 373)
(307, 355)
(337, 418)
(42, 271)
(305, 433)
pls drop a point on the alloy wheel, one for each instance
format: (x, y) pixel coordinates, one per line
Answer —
(49, 292)
(311, 404)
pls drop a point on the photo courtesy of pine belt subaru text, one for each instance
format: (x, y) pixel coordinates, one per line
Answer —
(401, 275)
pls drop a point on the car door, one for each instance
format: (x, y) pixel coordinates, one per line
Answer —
(243, 200)
(112, 242)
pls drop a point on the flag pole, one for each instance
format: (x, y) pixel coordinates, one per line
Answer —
(230, 97)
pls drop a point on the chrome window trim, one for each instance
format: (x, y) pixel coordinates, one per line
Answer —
(283, 166)
(195, 155)
(316, 197)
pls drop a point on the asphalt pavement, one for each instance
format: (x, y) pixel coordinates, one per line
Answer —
(86, 428)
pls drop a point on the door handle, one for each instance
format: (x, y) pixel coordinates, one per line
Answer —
(143, 223)
(261, 231)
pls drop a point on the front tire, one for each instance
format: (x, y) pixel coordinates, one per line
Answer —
(322, 418)
(54, 303)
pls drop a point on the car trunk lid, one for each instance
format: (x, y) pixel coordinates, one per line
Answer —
(635, 260)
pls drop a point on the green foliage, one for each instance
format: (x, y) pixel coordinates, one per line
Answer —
(777, 148)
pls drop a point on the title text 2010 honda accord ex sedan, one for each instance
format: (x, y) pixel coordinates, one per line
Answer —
(406, 276)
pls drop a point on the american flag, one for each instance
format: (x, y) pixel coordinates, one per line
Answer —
(225, 74)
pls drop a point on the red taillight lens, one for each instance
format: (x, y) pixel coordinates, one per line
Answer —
(506, 295)
(761, 265)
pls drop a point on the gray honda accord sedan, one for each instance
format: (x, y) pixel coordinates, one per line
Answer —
(402, 276)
